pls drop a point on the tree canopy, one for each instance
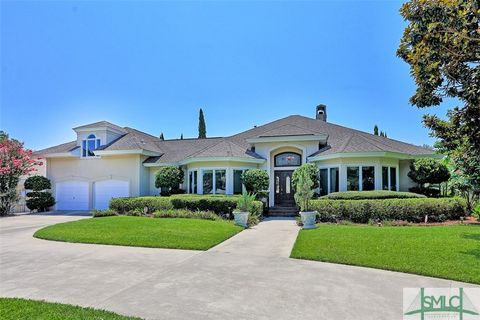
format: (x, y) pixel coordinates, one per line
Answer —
(442, 46)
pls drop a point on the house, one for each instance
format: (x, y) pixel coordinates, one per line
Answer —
(108, 161)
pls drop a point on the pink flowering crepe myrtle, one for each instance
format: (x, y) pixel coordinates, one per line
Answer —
(15, 161)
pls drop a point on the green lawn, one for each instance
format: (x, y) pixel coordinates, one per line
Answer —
(14, 309)
(174, 233)
(451, 252)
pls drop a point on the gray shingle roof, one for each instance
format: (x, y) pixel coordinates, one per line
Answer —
(340, 140)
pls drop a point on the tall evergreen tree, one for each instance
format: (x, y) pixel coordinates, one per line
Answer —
(375, 130)
(181, 136)
(161, 136)
(202, 128)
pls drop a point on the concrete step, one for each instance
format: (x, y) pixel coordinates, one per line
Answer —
(283, 211)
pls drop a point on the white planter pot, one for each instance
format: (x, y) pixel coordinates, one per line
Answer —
(308, 219)
(241, 218)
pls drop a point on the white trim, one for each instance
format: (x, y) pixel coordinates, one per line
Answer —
(109, 128)
(313, 137)
(382, 154)
(120, 152)
(59, 155)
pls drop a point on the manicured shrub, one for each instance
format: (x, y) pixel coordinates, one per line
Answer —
(37, 183)
(103, 213)
(256, 181)
(312, 170)
(377, 194)
(169, 179)
(217, 204)
(426, 172)
(411, 210)
(184, 213)
(40, 198)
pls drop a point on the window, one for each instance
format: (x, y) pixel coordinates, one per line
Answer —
(323, 182)
(207, 181)
(389, 178)
(192, 182)
(288, 159)
(334, 186)
(288, 184)
(220, 182)
(385, 183)
(393, 178)
(237, 182)
(368, 178)
(277, 184)
(353, 178)
(89, 145)
(214, 181)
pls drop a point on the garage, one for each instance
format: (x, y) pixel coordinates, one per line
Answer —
(105, 190)
(72, 195)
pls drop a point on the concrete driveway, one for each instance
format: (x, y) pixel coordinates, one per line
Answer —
(247, 277)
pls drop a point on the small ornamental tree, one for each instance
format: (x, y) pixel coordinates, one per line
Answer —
(304, 191)
(169, 179)
(256, 181)
(427, 171)
(39, 198)
(15, 161)
(312, 171)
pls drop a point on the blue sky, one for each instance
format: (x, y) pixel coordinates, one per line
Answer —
(152, 65)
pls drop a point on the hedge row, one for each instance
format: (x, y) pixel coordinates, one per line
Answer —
(377, 194)
(412, 210)
(217, 204)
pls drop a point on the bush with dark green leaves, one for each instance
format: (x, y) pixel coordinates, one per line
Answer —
(39, 198)
(313, 172)
(169, 179)
(217, 204)
(256, 181)
(377, 194)
(426, 172)
(37, 183)
(412, 210)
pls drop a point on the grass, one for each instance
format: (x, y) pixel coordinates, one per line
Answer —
(175, 233)
(14, 309)
(450, 252)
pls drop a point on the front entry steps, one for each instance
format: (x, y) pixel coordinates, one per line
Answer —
(278, 211)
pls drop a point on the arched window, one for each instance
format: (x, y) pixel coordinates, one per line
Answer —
(89, 145)
(288, 159)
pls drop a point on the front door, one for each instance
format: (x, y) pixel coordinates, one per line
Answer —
(283, 188)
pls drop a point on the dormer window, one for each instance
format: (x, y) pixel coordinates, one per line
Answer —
(89, 145)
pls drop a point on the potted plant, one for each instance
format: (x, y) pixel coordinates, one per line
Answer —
(303, 195)
(243, 209)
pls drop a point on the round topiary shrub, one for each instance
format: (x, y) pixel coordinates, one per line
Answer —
(169, 179)
(39, 198)
(256, 181)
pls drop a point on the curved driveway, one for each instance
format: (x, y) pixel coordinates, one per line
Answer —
(247, 277)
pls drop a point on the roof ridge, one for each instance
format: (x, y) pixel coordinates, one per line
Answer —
(368, 141)
(207, 147)
(345, 144)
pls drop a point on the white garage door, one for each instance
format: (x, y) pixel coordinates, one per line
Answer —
(72, 195)
(105, 190)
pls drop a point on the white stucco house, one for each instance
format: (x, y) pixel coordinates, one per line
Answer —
(108, 161)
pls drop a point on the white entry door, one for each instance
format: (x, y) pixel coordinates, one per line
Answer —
(72, 195)
(105, 190)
